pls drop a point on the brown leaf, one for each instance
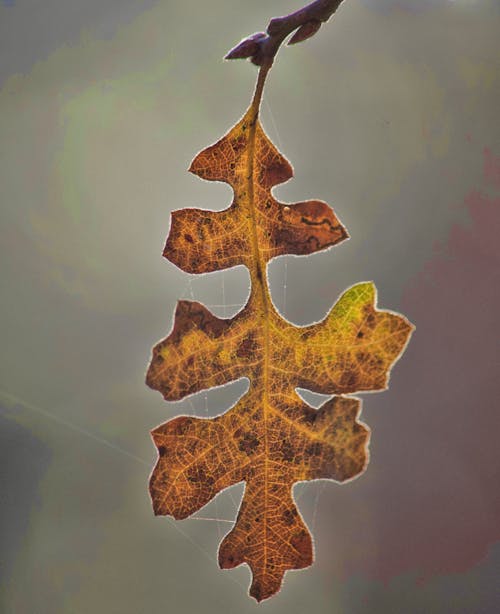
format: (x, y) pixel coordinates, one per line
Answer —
(270, 439)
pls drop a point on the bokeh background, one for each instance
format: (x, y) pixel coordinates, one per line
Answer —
(391, 114)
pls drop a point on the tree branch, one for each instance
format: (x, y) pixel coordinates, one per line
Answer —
(262, 47)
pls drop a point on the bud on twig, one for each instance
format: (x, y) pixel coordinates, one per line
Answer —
(261, 47)
(305, 31)
(247, 48)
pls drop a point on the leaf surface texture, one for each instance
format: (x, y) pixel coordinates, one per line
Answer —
(270, 439)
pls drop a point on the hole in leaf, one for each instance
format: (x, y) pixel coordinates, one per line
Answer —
(314, 399)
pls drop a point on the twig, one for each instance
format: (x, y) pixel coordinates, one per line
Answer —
(261, 47)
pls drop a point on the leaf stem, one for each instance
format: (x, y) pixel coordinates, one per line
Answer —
(262, 47)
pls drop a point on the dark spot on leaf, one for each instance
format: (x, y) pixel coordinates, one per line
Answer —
(288, 517)
(248, 443)
(314, 449)
(180, 425)
(247, 346)
(349, 379)
(310, 416)
(287, 451)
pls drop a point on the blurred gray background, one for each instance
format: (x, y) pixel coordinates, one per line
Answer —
(390, 114)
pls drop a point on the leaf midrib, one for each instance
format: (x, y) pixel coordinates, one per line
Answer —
(259, 281)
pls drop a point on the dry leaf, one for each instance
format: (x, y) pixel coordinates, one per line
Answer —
(270, 439)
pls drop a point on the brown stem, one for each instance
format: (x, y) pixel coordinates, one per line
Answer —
(262, 47)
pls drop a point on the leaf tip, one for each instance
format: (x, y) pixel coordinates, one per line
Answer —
(257, 592)
(364, 290)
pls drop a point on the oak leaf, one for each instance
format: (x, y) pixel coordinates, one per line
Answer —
(270, 439)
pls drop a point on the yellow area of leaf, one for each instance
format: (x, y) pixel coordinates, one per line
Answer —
(270, 439)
